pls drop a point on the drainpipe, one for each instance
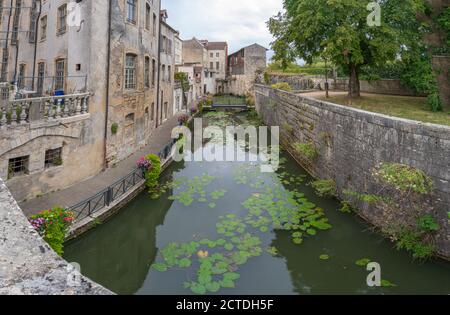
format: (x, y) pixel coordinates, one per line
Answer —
(35, 43)
(108, 70)
(158, 87)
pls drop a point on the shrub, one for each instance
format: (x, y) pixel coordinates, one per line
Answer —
(412, 242)
(282, 86)
(53, 225)
(307, 149)
(325, 188)
(114, 128)
(152, 174)
(435, 102)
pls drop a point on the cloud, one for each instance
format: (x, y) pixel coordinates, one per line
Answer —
(238, 22)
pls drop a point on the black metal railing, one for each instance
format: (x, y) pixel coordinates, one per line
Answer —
(115, 191)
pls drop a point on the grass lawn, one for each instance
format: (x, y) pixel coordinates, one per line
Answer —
(414, 108)
(228, 100)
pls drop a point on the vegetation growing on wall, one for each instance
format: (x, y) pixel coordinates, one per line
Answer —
(114, 128)
(53, 225)
(284, 86)
(406, 200)
(306, 149)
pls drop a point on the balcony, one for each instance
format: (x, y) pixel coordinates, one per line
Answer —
(41, 109)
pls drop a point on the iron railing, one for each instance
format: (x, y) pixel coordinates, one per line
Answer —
(115, 191)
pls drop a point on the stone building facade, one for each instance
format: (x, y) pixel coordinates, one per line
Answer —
(212, 58)
(109, 69)
(245, 67)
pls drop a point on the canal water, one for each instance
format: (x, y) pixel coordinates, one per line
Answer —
(227, 228)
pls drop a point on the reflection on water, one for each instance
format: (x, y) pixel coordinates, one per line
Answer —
(119, 253)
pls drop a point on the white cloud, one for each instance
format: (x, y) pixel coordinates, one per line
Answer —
(239, 22)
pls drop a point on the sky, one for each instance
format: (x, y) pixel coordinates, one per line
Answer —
(238, 22)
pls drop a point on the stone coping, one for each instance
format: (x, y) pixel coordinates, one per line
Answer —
(426, 129)
(28, 266)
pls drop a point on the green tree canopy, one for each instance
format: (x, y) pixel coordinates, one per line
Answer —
(337, 30)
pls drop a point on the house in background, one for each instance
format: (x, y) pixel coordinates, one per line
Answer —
(245, 68)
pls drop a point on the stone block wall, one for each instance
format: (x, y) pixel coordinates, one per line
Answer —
(304, 82)
(82, 154)
(28, 265)
(351, 142)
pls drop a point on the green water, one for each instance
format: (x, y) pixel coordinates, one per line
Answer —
(120, 253)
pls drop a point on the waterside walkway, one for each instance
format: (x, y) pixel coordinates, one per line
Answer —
(84, 190)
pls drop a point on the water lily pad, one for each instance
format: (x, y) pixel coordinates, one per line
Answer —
(387, 284)
(363, 262)
(184, 263)
(324, 257)
(160, 267)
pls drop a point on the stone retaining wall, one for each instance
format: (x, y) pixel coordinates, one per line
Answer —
(305, 82)
(28, 265)
(352, 142)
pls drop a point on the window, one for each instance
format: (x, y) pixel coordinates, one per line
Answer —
(211, 65)
(153, 72)
(60, 73)
(43, 27)
(147, 16)
(211, 55)
(61, 23)
(163, 73)
(18, 166)
(147, 72)
(53, 157)
(33, 23)
(169, 74)
(131, 11)
(154, 24)
(130, 71)
(217, 55)
(217, 65)
(16, 22)
(21, 76)
(166, 110)
(40, 79)
(129, 118)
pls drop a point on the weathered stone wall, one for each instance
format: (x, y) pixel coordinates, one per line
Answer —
(352, 142)
(304, 82)
(254, 65)
(81, 154)
(132, 109)
(28, 265)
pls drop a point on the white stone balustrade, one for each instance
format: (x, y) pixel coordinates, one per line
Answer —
(28, 110)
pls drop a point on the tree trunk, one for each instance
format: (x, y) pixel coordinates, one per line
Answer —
(353, 85)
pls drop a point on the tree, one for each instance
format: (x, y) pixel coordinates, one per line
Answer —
(338, 30)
